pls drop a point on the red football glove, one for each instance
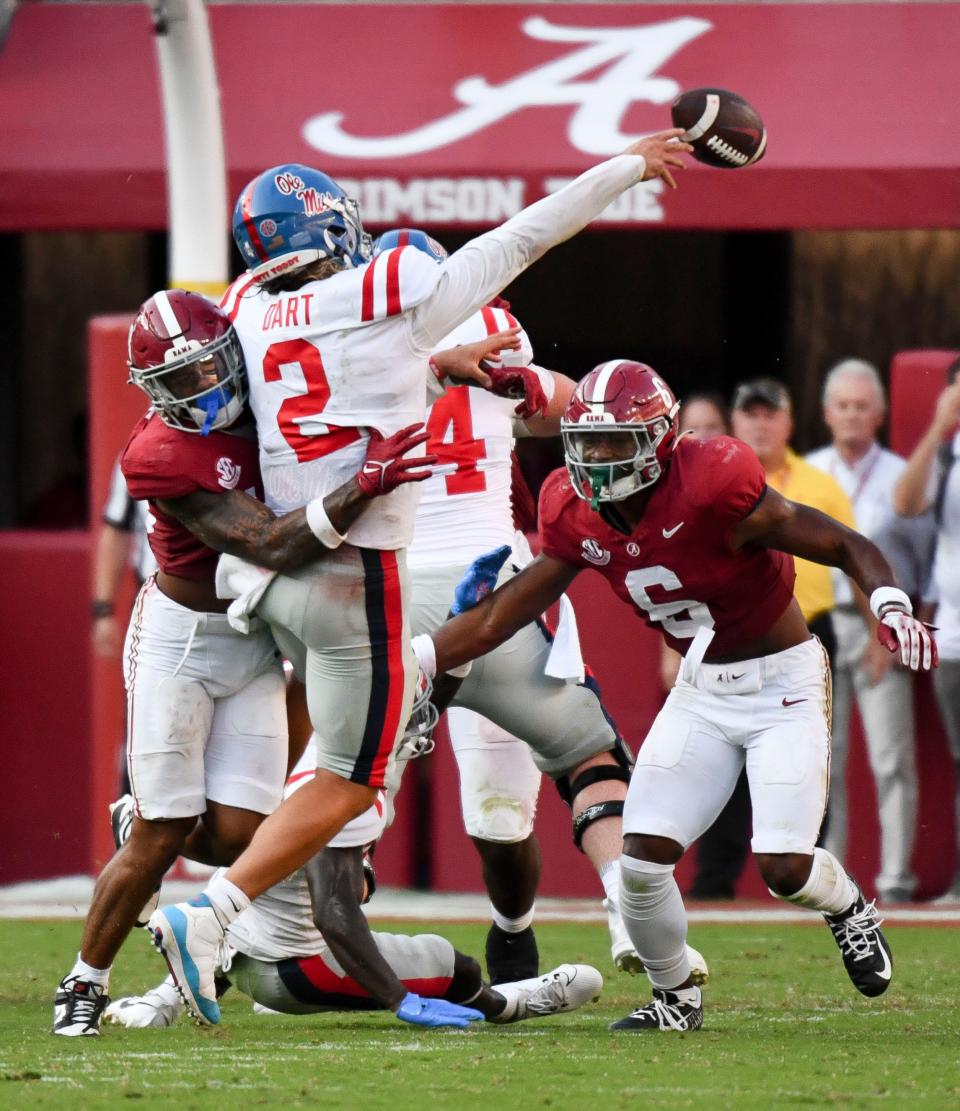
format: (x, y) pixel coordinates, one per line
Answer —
(385, 468)
(519, 382)
(899, 631)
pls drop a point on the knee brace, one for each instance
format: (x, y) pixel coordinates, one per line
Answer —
(621, 770)
(598, 773)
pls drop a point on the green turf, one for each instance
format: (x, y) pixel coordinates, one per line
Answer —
(783, 1028)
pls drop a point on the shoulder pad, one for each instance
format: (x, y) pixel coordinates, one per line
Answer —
(396, 281)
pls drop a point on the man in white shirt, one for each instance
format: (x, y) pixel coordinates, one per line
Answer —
(854, 407)
(931, 480)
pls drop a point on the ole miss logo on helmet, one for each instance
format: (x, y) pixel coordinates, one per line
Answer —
(314, 202)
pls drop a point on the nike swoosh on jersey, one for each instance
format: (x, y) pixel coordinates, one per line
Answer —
(668, 532)
(792, 701)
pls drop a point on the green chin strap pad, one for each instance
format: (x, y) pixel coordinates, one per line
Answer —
(596, 484)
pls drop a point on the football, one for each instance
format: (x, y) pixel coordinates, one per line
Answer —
(723, 128)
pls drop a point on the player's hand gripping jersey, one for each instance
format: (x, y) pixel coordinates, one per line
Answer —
(677, 567)
(162, 462)
(465, 508)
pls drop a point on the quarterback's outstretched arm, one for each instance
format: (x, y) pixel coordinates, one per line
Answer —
(501, 614)
(487, 264)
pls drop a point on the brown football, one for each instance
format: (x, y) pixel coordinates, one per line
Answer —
(723, 128)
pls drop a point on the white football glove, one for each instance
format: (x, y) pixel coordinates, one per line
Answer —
(899, 631)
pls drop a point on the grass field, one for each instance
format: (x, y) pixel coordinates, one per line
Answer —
(783, 1028)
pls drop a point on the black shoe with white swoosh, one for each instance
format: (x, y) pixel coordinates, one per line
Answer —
(865, 951)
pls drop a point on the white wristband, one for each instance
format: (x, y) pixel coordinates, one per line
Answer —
(889, 597)
(462, 671)
(319, 524)
(426, 653)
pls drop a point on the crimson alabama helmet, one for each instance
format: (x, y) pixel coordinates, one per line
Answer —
(625, 397)
(184, 354)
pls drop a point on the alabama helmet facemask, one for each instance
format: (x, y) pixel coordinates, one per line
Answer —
(290, 216)
(624, 397)
(173, 331)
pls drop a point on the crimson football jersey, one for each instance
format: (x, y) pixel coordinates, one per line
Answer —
(162, 462)
(677, 568)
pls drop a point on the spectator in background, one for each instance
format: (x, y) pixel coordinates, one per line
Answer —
(722, 850)
(854, 408)
(931, 480)
(762, 416)
(121, 543)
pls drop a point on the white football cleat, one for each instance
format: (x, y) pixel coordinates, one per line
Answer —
(159, 1007)
(566, 988)
(191, 939)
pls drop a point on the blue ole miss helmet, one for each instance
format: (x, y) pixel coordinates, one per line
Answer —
(292, 215)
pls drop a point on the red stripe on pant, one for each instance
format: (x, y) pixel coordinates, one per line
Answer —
(324, 979)
(384, 606)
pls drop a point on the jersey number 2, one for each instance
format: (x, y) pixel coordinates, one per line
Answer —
(308, 405)
(452, 413)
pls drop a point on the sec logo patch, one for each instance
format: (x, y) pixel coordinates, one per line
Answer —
(594, 553)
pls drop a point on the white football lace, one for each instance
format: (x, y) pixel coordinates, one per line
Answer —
(856, 935)
(225, 953)
(667, 1014)
(718, 146)
(84, 1007)
(548, 999)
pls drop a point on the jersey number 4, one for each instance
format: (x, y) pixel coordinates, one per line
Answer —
(306, 406)
(451, 440)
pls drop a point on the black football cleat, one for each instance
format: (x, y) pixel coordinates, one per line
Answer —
(865, 951)
(78, 1007)
(666, 1011)
(511, 957)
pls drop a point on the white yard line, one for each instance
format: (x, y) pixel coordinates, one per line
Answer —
(69, 897)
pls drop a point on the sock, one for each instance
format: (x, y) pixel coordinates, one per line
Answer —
(653, 914)
(83, 971)
(512, 925)
(689, 995)
(828, 888)
(610, 878)
(226, 899)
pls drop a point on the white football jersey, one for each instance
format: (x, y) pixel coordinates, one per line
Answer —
(279, 923)
(467, 511)
(325, 363)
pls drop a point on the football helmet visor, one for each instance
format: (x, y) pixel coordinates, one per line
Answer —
(184, 354)
(411, 237)
(618, 431)
(292, 215)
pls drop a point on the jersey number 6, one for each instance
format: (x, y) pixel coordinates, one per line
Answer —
(305, 406)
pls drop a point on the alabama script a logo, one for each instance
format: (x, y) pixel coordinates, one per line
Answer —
(631, 55)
